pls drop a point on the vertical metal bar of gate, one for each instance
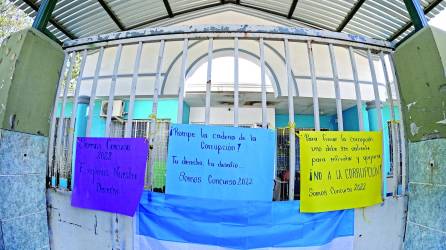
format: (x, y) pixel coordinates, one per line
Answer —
(379, 113)
(128, 125)
(107, 127)
(291, 132)
(236, 82)
(375, 90)
(357, 88)
(182, 81)
(60, 126)
(153, 121)
(317, 125)
(395, 153)
(337, 88)
(111, 94)
(263, 83)
(54, 116)
(156, 89)
(93, 92)
(402, 131)
(208, 83)
(74, 109)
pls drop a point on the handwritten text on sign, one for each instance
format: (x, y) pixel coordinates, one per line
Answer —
(109, 174)
(340, 170)
(220, 162)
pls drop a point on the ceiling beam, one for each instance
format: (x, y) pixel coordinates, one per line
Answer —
(292, 8)
(416, 13)
(35, 7)
(44, 14)
(350, 15)
(169, 10)
(112, 15)
(409, 24)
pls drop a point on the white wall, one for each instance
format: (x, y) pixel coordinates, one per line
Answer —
(378, 227)
(225, 116)
(381, 226)
(73, 228)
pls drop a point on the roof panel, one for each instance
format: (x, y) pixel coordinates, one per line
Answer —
(137, 12)
(333, 12)
(185, 5)
(380, 19)
(440, 7)
(84, 18)
(406, 33)
(57, 33)
(281, 6)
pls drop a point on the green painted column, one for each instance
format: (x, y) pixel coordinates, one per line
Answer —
(29, 70)
(421, 69)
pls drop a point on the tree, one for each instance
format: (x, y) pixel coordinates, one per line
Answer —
(12, 19)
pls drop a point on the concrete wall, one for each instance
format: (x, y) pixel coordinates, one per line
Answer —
(27, 91)
(76, 228)
(421, 69)
(93, 229)
(381, 226)
(28, 86)
(23, 218)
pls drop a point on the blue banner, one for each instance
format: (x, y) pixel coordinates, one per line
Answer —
(179, 222)
(217, 162)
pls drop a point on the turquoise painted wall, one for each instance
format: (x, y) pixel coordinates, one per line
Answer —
(167, 109)
(67, 111)
(307, 121)
(373, 123)
(350, 118)
(186, 113)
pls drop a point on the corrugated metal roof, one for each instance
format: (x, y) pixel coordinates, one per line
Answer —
(327, 13)
(381, 19)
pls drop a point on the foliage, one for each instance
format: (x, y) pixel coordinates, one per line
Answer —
(74, 72)
(11, 19)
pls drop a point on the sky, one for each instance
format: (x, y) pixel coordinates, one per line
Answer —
(439, 21)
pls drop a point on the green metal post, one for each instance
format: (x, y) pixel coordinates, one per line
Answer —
(416, 13)
(44, 14)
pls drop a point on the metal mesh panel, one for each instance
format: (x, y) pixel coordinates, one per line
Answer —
(158, 152)
(117, 129)
(281, 181)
